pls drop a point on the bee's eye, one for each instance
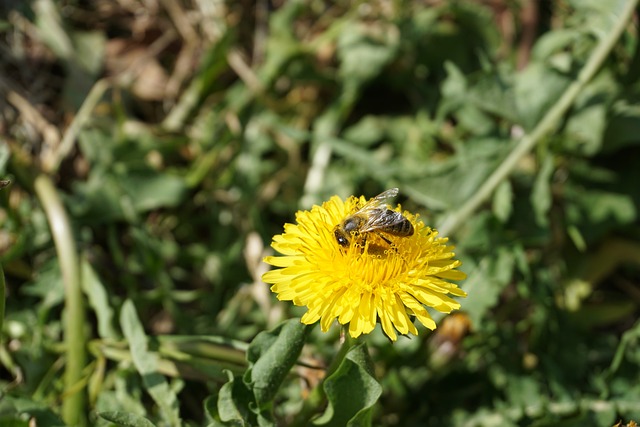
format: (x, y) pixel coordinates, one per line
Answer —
(342, 241)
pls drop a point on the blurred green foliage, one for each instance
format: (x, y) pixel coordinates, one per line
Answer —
(209, 125)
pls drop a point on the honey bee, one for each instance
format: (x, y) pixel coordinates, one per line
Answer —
(374, 217)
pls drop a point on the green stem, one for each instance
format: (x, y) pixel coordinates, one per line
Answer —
(316, 400)
(74, 314)
(2, 301)
(547, 125)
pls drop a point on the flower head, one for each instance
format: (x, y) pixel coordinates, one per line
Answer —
(376, 276)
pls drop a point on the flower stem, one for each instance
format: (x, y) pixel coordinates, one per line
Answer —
(317, 398)
(74, 311)
(547, 125)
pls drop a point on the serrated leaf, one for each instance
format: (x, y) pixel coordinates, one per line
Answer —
(503, 201)
(126, 419)
(146, 364)
(272, 355)
(351, 391)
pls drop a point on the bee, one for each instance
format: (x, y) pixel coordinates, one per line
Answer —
(374, 217)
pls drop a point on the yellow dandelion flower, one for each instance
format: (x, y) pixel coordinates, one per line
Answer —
(374, 276)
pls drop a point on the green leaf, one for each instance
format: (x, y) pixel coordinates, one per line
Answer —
(503, 201)
(473, 102)
(628, 343)
(454, 90)
(25, 407)
(272, 355)
(623, 126)
(150, 190)
(609, 207)
(605, 313)
(98, 300)
(524, 391)
(89, 50)
(553, 42)
(146, 363)
(3, 296)
(585, 127)
(536, 89)
(9, 421)
(5, 154)
(364, 50)
(367, 131)
(126, 419)
(541, 197)
(486, 283)
(233, 404)
(109, 196)
(599, 16)
(51, 30)
(351, 391)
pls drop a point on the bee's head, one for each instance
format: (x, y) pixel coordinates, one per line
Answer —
(352, 224)
(342, 237)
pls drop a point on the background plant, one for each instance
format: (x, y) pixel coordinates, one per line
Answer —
(170, 141)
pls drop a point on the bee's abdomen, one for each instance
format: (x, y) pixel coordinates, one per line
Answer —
(400, 228)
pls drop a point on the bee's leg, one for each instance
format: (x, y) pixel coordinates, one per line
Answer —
(385, 239)
(391, 245)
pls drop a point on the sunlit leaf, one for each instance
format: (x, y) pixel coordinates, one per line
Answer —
(146, 363)
(272, 355)
(351, 390)
(126, 419)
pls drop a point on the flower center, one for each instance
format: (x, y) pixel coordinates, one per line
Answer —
(377, 264)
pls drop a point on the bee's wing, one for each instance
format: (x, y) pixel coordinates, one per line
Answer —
(386, 195)
(378, 202)
(377, 214)
(382, 218)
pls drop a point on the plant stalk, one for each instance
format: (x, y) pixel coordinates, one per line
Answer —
(2, 299)
(73, 399)
(547, 125)
(317, 398)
